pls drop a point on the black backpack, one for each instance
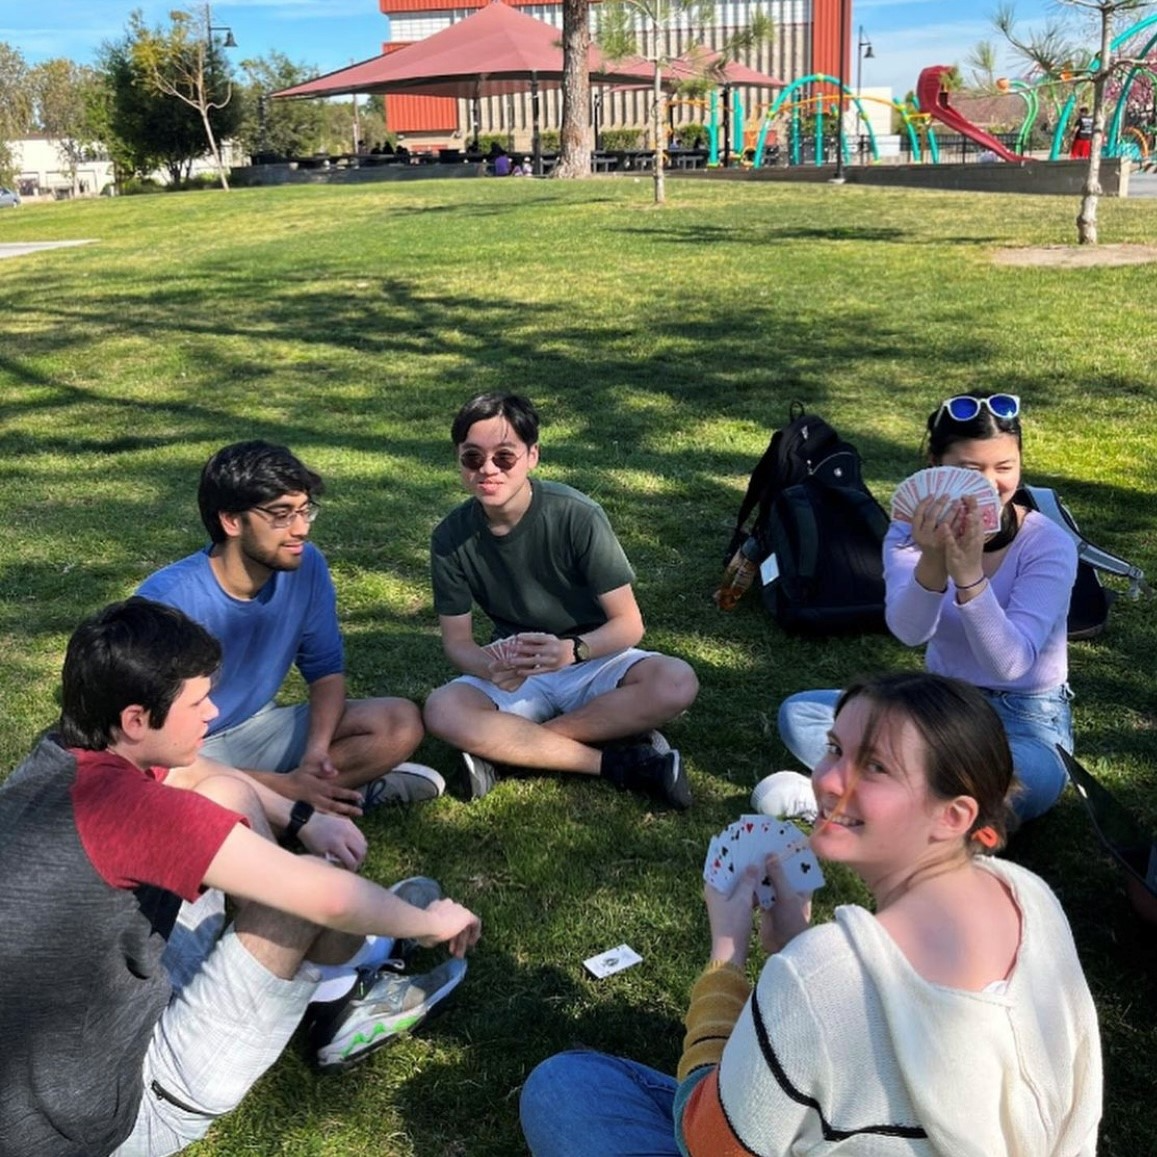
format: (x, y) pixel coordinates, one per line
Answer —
(1090, 601)
(818, 533)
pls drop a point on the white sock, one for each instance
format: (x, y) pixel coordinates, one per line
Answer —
(338, 979)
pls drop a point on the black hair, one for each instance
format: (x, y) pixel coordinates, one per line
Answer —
(967, 751)
(248, 474)
(133, 653)
(944, 431)
(518, 411)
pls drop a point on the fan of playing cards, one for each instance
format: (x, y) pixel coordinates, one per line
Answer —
(948, 482)
(750, 840)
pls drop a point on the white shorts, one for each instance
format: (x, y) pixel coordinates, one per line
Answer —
(542, 697)
(218, 1035)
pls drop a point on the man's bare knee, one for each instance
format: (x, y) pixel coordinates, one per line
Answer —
(236, 794)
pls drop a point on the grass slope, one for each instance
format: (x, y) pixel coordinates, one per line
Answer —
(661, 348)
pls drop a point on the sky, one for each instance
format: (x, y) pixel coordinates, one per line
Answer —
(906, 35)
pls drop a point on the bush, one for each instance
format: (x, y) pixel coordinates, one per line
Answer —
(617, 140)
(486, 140)
(136, 186)
(551, 140)
(692, 135)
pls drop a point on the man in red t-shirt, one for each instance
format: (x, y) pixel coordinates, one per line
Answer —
(108, 1048)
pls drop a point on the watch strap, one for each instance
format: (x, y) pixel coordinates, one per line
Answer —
(299, 816)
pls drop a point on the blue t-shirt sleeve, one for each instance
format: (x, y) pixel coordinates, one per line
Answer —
(321, 651)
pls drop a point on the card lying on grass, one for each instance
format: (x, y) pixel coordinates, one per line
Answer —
(750, 840)
(948, 482)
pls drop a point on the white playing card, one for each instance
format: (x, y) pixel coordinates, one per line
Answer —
(749, 841)
(612, 961)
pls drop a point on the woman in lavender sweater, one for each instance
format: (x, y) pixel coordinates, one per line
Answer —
(991, 611)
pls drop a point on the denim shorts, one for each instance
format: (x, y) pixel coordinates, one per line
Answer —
(273, 739)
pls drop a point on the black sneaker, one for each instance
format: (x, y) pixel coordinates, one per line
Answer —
(643, 769)
(655, 740)
(381, 1006)
(480, 773)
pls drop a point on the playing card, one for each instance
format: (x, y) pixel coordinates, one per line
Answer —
(612, 961)
(748, 841)
(503, 649)
(948, 482)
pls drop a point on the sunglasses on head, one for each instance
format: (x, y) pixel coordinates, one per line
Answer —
(503, 459)
(964, 407)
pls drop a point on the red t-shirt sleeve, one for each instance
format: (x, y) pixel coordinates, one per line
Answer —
(135, 830)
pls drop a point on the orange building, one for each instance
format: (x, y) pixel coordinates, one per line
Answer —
(806, 39)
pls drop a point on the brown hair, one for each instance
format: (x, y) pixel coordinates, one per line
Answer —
(966, 750)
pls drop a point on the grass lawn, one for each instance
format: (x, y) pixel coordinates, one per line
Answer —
(662, 348)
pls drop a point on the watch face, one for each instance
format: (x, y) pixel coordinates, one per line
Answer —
(581, 651)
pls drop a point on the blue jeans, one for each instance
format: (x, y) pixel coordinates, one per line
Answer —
(589, 1104)
(1034, 724)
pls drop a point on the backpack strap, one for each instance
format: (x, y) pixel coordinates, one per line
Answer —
(1048, 503)
(765, 472)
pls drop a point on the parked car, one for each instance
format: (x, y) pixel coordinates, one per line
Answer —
(8, 198)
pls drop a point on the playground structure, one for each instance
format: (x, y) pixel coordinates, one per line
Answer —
(808, 117)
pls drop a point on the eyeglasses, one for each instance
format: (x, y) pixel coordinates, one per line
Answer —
(280, 517)
(964, 407)
(503, 459)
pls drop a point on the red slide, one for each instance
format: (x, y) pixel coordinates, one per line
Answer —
(934, 101)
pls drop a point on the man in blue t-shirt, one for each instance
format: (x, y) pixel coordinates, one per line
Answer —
(265, 592)
(562, 685)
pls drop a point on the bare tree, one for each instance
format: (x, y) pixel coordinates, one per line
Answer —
(185, 62)
(574, 158)
(643, 27)
(1049, 51)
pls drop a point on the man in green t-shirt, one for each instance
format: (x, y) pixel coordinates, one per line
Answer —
(562, 676)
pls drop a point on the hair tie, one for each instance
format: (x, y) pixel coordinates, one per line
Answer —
(986, 836)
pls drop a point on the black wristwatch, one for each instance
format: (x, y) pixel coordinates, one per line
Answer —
(300, 815)
(581, 651)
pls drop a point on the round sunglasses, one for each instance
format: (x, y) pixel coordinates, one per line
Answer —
(964, 407)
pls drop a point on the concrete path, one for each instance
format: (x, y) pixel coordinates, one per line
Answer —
(20, 248)
(1142, 185)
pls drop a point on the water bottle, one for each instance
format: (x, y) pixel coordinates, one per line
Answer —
(738, 576)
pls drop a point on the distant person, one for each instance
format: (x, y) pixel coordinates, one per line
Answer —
(952, 1018)
(265, 592)
(503, 166)
(561, 675)
(122, 1034)
(1083, 135)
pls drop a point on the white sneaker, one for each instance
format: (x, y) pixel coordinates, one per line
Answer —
(786, 795)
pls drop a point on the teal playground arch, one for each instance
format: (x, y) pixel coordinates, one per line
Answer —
(796, 128)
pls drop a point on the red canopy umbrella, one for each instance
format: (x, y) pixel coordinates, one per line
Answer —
(496, 51)
(700, 61)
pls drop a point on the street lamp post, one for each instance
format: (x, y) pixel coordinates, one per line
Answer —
(844, 6)
(863, 52)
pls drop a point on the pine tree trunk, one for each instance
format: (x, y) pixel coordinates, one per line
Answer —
(574, 159)
(1091, 189)
(657, 140)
